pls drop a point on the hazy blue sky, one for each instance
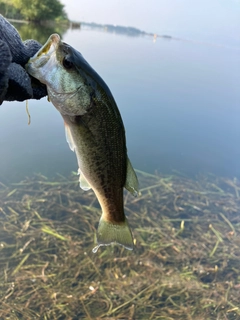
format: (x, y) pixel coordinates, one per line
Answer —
(178, 17)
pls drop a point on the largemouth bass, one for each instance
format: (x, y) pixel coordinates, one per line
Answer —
(94, 130)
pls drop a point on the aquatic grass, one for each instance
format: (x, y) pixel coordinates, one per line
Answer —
(185, 264)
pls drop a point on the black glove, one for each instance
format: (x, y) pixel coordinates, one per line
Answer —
(15, 82)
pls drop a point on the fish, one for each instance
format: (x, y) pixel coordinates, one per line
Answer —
(94, 131)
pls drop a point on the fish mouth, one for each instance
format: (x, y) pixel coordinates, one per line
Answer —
(44, 53)
(50, 46)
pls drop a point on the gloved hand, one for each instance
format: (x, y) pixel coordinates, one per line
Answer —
(15, 82)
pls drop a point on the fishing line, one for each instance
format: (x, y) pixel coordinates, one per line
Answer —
(29, 116)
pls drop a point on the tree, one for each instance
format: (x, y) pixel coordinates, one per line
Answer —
(39, 10)
(8, 10)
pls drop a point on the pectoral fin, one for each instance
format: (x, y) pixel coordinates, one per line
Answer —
(131, 183)
(83, 182)
(69, 137)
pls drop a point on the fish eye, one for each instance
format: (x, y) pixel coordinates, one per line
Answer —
(67, 64)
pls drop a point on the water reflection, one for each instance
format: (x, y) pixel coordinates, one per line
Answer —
(41, 32)
(129, 31)
(38, 32)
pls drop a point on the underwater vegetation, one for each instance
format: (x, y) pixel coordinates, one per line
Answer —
(184, 265)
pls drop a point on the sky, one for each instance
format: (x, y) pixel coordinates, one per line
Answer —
(174, 17)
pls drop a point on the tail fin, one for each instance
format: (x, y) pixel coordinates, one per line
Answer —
(109, 233)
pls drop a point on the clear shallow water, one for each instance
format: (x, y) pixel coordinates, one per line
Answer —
(179, 102)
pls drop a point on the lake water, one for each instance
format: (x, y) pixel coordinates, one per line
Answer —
(179, 101)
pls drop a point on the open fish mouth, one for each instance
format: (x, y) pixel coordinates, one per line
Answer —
(45, 53)
(50, 46)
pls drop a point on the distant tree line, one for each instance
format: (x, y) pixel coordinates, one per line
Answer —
(34, 10)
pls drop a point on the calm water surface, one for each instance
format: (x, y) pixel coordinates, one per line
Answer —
(179, 101)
